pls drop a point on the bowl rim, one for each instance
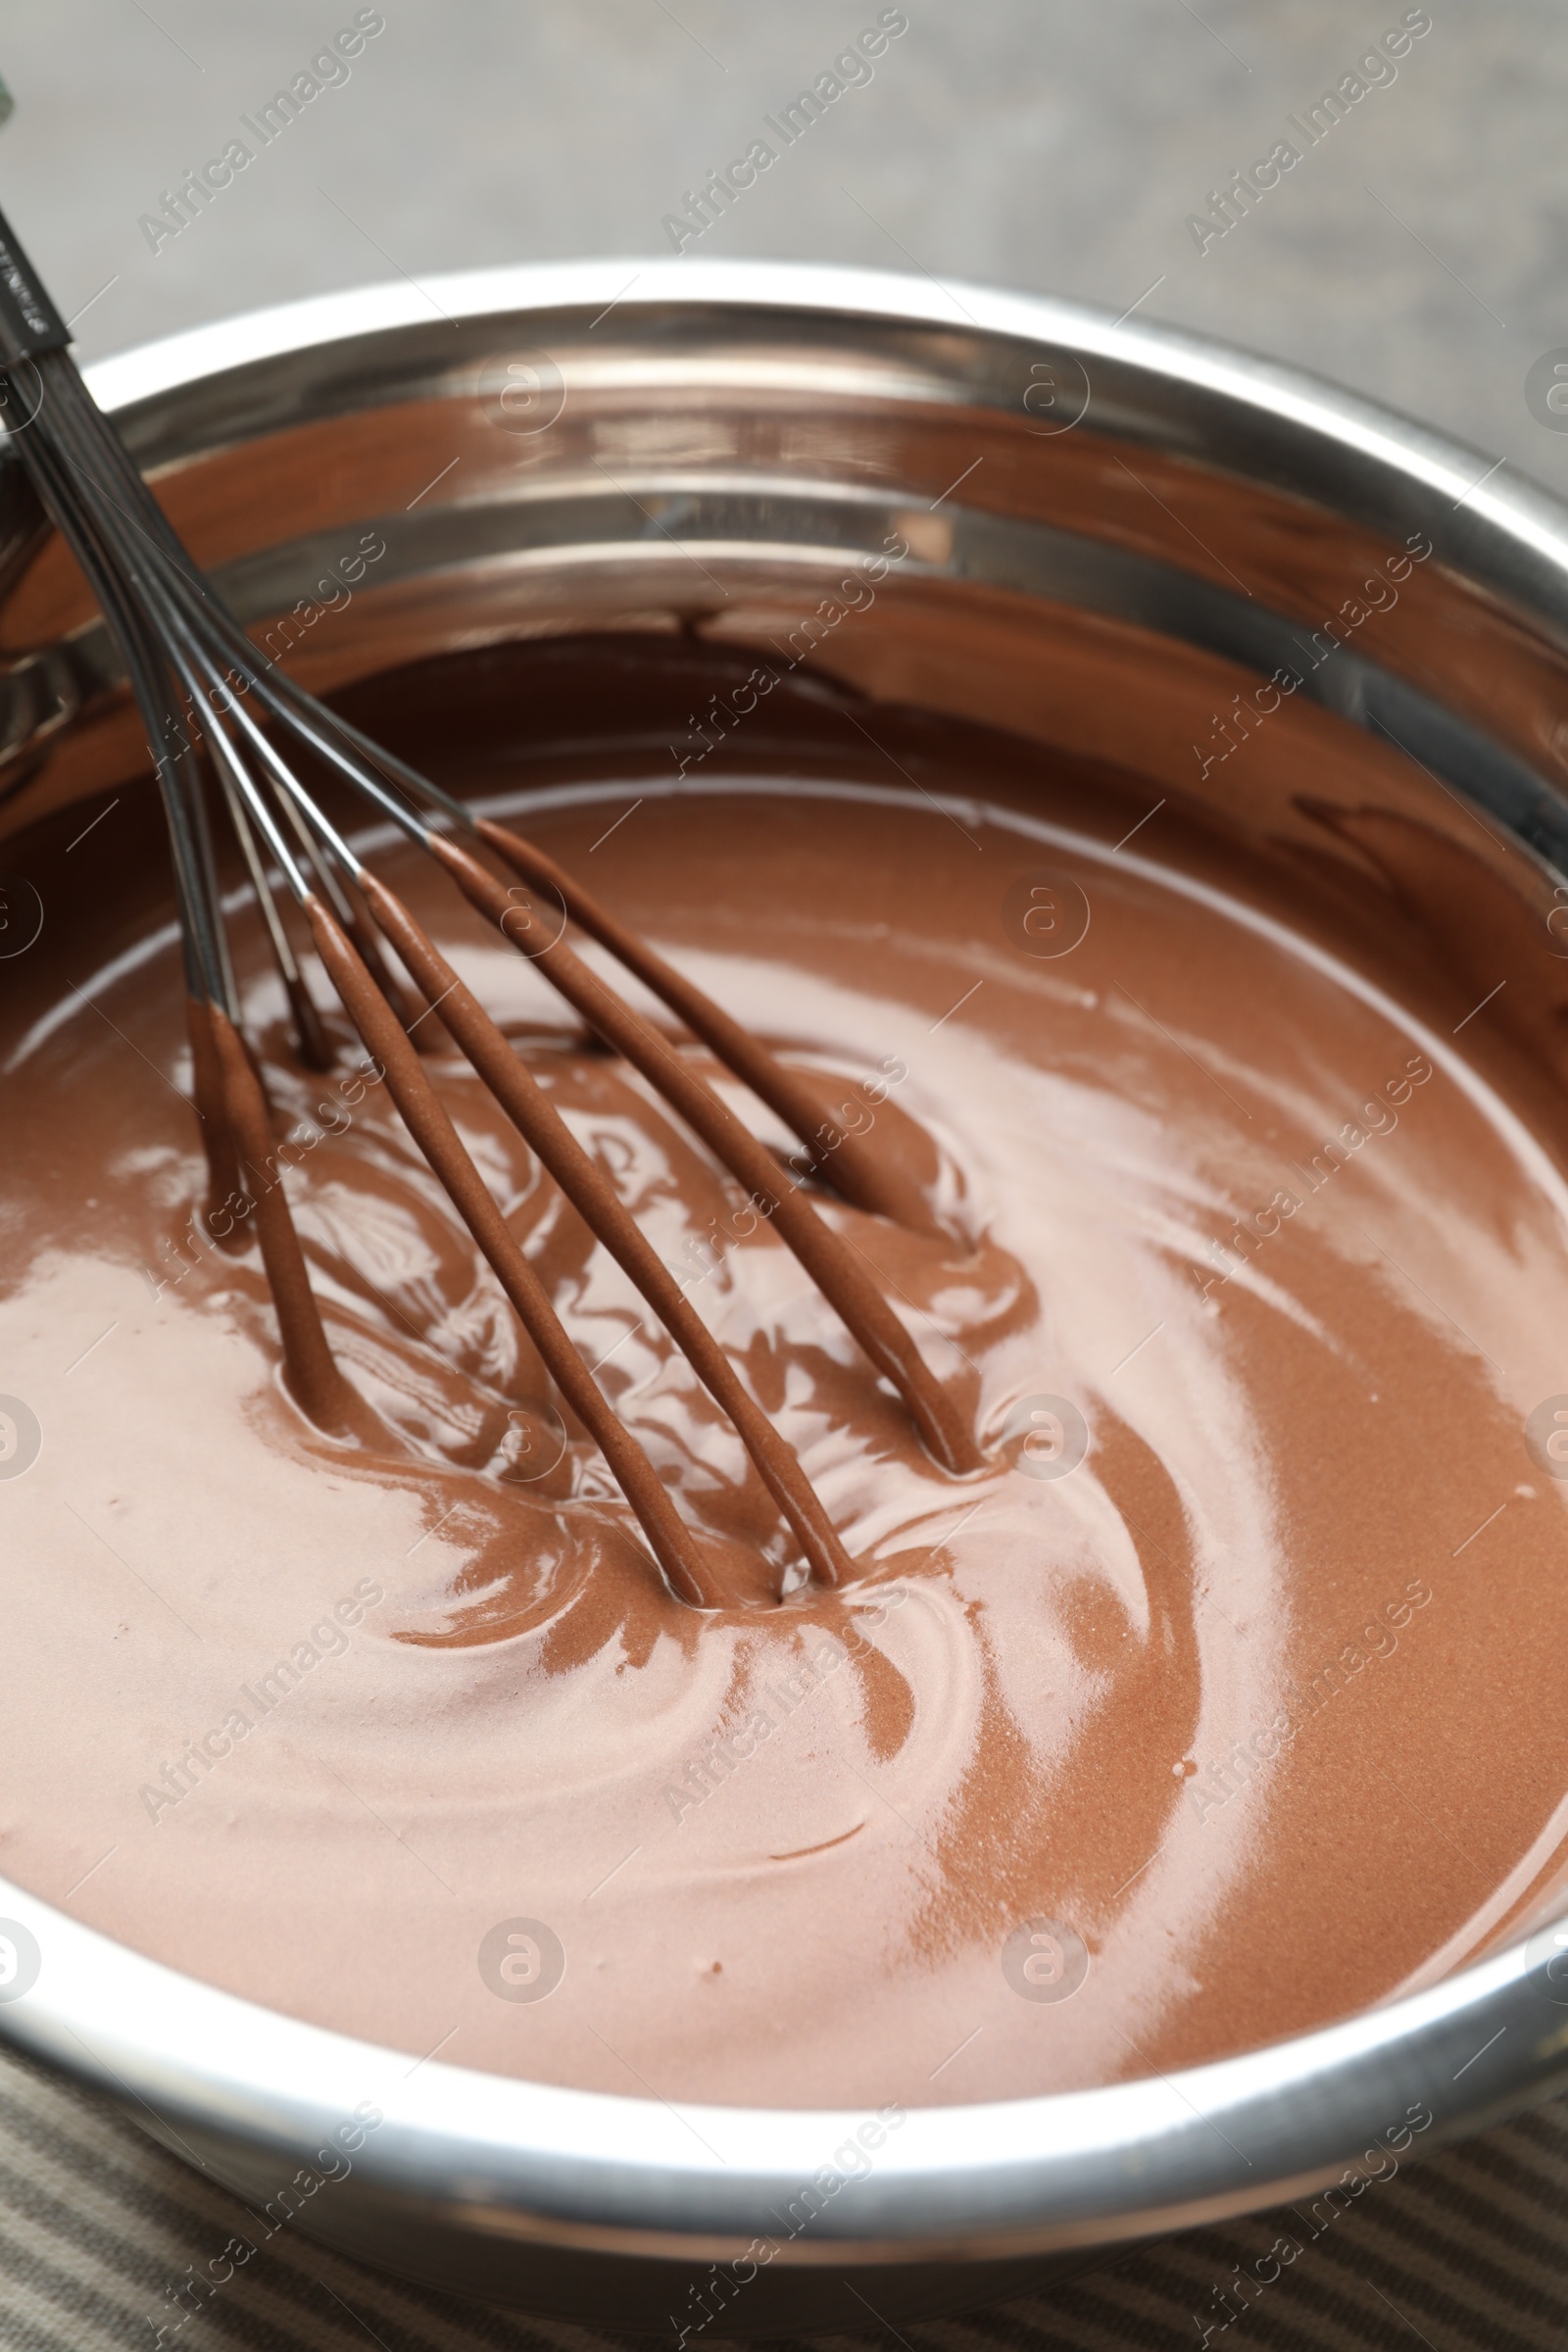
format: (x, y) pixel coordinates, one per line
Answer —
(1065, 2168)
(1502, 508)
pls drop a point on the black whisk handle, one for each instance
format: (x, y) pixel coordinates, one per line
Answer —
(28, 321)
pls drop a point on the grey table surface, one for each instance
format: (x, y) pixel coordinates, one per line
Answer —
(1415, 253)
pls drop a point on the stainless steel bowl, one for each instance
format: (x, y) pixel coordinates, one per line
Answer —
(1113, 533)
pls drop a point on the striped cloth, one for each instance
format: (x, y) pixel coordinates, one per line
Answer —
(1469, 2249)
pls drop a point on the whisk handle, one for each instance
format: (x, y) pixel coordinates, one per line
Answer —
(28, 321)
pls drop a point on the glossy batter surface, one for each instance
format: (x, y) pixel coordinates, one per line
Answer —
(1228, 1699)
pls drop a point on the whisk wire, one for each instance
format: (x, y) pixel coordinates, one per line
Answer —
(206, 697)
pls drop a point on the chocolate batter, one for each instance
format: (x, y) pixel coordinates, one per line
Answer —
(1226, 1697)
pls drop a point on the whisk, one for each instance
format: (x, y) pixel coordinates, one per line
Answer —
(220, 720)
